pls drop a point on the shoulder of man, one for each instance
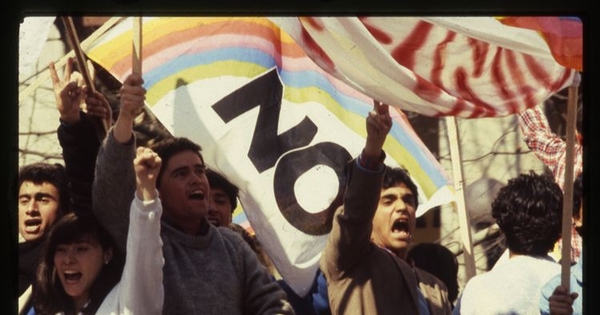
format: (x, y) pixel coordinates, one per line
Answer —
(229, 235)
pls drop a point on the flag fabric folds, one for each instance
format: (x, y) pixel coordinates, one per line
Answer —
(563, 34)
(437, 66)
(270, 119)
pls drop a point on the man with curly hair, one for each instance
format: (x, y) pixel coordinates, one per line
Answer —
(528, 211)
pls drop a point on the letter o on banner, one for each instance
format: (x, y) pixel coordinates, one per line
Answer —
(295, 164)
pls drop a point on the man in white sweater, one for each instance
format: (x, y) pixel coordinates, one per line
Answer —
(528, 211)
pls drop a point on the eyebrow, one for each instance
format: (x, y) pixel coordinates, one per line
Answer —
(412, 200)
(220, 194)
(395, 196)
(184, 168)
(85, 240)
(388, 196)
(38, 196)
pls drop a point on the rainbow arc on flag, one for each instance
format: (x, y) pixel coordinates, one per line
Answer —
(304, 85)
(191, 49)
(199, 70)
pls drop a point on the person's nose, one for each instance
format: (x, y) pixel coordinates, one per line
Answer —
(400, 206)
(32, 207)
(69, 256)
(196, 178)
(212, 207)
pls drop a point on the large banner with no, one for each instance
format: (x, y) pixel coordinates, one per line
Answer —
(270, 119)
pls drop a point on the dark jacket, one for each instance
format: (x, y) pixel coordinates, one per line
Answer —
(80, 145)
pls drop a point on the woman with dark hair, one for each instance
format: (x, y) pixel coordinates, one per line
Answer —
(79, 267)
(82, 272)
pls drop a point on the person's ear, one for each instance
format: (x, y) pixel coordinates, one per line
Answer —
(108, 256)
(578, 220)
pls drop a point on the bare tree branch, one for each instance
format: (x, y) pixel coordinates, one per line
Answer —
(45, 155)
(37, 133)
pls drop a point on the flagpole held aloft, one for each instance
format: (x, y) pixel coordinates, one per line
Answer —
(567, 217)
(81, 60)
(101, 129)
(137, 45)
(45, 74)
(463, 214)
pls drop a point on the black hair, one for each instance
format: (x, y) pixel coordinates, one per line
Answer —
(170, 146)
(254, 244)
(579, 119)
(578, 201)
(52, 173)
(397, 175)
(216, 180)
(577, 194)
(528, 211)
(439, 261)
(49, 296)
(249, 238)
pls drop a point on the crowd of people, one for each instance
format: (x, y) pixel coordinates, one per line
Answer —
(123, 228)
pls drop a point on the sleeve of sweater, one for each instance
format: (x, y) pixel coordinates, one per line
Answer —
(141, 288)
(349, 240)
(80, 145)
(114, 186)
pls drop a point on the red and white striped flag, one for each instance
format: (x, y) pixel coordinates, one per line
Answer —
(437, 66)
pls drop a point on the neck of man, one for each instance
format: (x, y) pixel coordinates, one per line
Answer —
(198, 228)
(402, 253)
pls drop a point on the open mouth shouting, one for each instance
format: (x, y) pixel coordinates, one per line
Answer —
(33, 226)
(400, 229)
(197, 195)
(71, 276)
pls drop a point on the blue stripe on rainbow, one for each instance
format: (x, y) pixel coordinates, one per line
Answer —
(303, 84)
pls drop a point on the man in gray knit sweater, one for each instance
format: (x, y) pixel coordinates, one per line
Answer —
(207, 270)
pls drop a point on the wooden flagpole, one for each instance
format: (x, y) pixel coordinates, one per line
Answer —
(101, 129)
(137, 45)
(136, 56)
(463, 214)
(567, 216)
(45, 75)
(81, 60)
